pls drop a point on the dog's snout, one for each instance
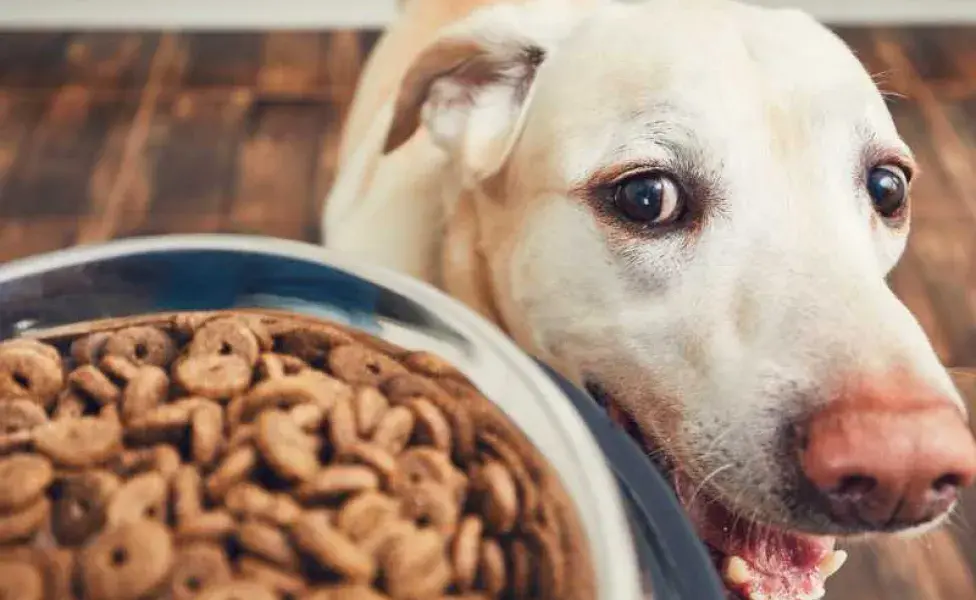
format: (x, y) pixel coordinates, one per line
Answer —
(886, 463)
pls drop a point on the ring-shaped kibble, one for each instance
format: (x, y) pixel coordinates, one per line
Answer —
(495, 490)
(213, 375)
(25, 477)
(142, 497)
(79, 443)
(27, 373)
(431, 365)
(466, 552)
(21, 524)
(20, 414)
(198, 567)
(80, 505)
(21, 580)
(431, 505)
(228, 336)
(366, 512)
(89, 349)
(359, 365)
(29, 344)
(127, 562)
(146, 390)
(237, 590)
(141, 345)
(312, 343)
(416, 565)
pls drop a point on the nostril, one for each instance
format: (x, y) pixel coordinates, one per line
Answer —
(947, 484)
(855, 486)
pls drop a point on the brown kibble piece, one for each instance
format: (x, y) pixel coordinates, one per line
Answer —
(145, 391)
(288, 450)
(432, 427)
(360, 365)
(415, 566)
(465, 552)
(119, 368)
(394, 429)
(267, 542)
(32, 345)
(141, 345)
(362, 515)
(20, 580)
(369, 406)
(374, 457)
(342, 426)
(197, 568)
(187, 493)
(424, 463)
(126, 563)
(311, 344)
(235, 467)
(492, 570)
(213, 526)
(23, 478)
(346, 592)
(331, 549)
(88, 350)
(93, 383)
(81, 504)
(433, 505)
(79, 443)
(431, 365)
(249, 501)
(27, 373)
(213, 375)
(238, 590)
(283, 583)
(227, 336)
(337, 481)
(495, 488)
(20, 524)
(206, 432)
(291, 390)
(142, 497)
(20, 414)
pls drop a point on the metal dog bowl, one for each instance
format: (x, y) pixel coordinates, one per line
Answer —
(640, 540)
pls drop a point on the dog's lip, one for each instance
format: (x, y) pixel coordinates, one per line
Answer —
(773, 563)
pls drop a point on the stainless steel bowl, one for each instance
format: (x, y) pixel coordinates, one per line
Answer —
(638, 537)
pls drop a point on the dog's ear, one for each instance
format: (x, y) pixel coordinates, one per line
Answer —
(469, 88)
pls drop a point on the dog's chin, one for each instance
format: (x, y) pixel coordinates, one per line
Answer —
(757, 561)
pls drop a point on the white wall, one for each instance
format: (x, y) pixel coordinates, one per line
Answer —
(270, 14)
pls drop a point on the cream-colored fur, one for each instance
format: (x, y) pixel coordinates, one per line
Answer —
(476, 158)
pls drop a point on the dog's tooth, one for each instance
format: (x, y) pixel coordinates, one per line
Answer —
(832, 563)
(815, 595)
(737, 572)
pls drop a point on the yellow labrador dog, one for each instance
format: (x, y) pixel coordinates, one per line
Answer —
(689, 207)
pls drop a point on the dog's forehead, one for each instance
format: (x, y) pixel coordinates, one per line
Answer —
(730, 76)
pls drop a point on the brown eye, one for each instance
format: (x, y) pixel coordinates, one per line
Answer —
(650, 198)
(888, 188)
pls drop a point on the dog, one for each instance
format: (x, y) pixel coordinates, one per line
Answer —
(689, 208)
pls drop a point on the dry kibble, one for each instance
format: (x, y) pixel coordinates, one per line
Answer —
(258, 455)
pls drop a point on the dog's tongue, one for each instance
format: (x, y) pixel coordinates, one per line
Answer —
(759, 562)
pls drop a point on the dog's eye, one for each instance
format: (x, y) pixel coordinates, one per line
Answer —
(650, 198)
(888, 187)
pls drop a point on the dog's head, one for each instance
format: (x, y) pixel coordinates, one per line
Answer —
(691, 207)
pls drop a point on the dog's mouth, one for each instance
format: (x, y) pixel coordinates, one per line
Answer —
(756, 561)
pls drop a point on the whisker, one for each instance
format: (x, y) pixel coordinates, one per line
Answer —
(704, 482)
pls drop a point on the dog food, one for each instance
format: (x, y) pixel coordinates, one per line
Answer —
(256, 455)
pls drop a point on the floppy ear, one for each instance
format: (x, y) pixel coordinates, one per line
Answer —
(469, 88)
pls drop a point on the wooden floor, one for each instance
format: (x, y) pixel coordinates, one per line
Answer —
(110, 135)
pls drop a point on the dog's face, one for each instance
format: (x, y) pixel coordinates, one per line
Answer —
(691, 208)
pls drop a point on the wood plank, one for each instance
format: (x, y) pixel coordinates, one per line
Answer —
(193, 154)
(290, 65)
(32, 60)
(119, 184)
(57, 160)
(18, 116)
(222, 59)
(277, 169)
(20, 238)
(110, 61)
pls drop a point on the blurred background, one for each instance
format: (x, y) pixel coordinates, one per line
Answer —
(130, 117)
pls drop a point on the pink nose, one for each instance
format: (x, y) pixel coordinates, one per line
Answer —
(889, 460)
